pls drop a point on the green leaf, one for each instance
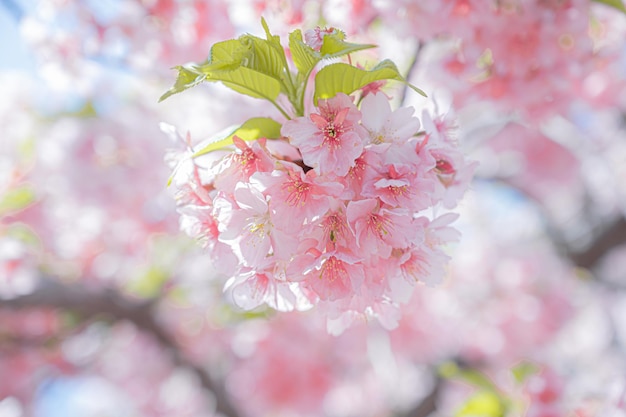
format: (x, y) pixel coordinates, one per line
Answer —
(23, 233)
(265, 57)
(523, 370)
(452, 371)
(414, 88)
(344, 78)
(16, 199)
(149, 283)
(224, 56)
(617, 4)
(266, 28)
(304, 57)
(273, 40)
(334, 46)
(482, 404)
(252, 129)
(273, 61)
(227, 55)
(249, 65)
(246, 81)
(188, 76)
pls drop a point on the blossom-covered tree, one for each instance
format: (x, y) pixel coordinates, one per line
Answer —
(330, 242)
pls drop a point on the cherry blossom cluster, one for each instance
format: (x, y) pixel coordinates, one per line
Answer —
(336, 213)
(532, 58)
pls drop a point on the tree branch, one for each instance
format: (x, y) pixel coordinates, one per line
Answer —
(90, 303)
(429, 403)
(412, 65)
(611, 237)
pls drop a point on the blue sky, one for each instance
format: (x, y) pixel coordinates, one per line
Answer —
(14, 54)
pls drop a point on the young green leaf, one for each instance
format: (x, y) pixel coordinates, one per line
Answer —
(16, 199)
(245, 64)
(304, 57)
(227, 55)
(252, 129)
(483, 404)
(473, 377)
(23, 233)
(264, 57)
(266, 28)
(248, 51)
(618, 4)
(523, 370)
(273, 40)
(188, 76)
(149, 283)
(246, 81)
(276, 54)
(344, 78)
(334, 46)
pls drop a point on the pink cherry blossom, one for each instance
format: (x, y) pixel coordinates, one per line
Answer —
(334, 275)
(398, 185)
(385, 126)
(331, 140)
(246, 225)
(297, 197)
(335, 230)
(239, 166)
(250, 289)
(354, 242)
(353, 181)
(315, 37)
(423, 264)
(377, 229)
(200, 222)
(452, 172)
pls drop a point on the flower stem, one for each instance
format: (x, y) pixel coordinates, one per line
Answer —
(280, 109)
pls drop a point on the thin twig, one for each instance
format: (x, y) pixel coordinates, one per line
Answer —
(412, 65)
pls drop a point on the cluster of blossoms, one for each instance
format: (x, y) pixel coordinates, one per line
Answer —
(334, 213)
(530, 58)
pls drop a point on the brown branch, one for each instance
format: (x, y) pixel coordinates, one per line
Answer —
(429, 403)
(96, 303)
(611, 237)
(612, 234)
(12, 343)
(409, 71)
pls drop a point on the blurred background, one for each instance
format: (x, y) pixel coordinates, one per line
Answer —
(106, 309)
